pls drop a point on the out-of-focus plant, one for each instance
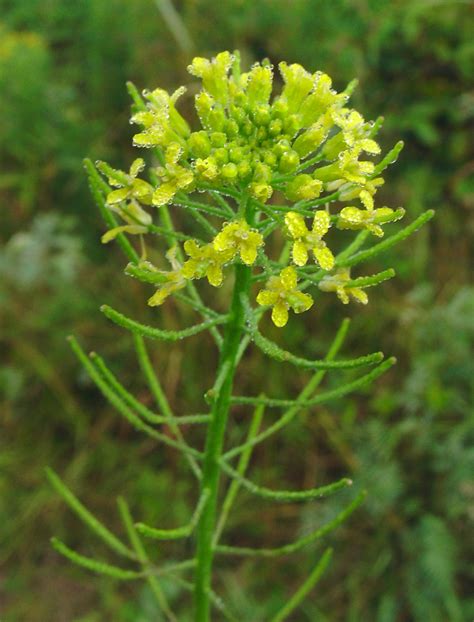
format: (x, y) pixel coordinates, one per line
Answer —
(294, 171)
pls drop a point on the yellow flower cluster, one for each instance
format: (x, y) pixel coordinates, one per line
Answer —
(303, 142)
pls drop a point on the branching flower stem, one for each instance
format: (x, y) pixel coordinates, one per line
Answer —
(234, 330)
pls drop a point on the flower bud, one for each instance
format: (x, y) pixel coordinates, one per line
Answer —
(199, 144)
(303, 187)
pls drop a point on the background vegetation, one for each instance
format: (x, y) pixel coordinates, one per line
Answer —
(405, 555)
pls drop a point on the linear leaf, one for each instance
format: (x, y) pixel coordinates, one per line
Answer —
(322, 397)
(143, 558)
(388, 242)
(93, 564)
(122, 408)
(298, 544)
(95, 182)
(307, 391)
(85, 515)
(179, 532)
(286, 495)
(157, 333)
(305, 589)
(274, 351)
(141, 409)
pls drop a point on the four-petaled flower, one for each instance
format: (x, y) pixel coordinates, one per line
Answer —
(338, 283)
(370, 219)
(129, 186)
(305, 240)
(240, 239)
(282, 294)
(173, 176)
(205, 261)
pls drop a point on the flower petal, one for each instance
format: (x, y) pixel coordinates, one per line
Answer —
(288, 278)
(324, 257)
(300, 253)
(266, 297)
(117, 196)
(296, 225)
(280, 314)
(321, 223)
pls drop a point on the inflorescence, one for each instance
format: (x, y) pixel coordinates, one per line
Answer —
(306, 145)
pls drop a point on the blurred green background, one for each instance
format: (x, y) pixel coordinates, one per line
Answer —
(405, 556)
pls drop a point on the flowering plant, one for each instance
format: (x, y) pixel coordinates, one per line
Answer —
(298, 165)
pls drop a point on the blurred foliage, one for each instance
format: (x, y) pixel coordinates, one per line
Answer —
(405, 555)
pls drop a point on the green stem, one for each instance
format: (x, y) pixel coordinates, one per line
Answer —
(214, 442)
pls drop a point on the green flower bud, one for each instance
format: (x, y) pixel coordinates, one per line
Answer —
(221, 155)
(244, 169)
(247, 128)
(262, 172)
(269, 158)
(218, 139)
(275, 127)
(281, 147)
(231, 128)
(199, 144)
(259, 85)
(236, 154)
(303, 187)
(279, 109)
(229, 171)
(261, 191)
(309, 141)
(206, 168)
(289, 162)
(262, 116)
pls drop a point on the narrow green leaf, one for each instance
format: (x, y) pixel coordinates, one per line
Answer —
(179, 532)
(89, 519)
(140, 408)
(96, 185)
(122, 408)
(323, 397)
(241, 469)
(390, 158)
(143, 558)
(388, 242)
(93, 564)
(374, 279)
(298, 544)
(157, 333)
(161, 399)
(305, 589)
(274, 351)
(307, 391)
(286, 495)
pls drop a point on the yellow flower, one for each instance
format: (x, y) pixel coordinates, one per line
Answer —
(161, 121)
(239, 238)
(166, 281)
(173, 176)
(129, 187)
(205, 261)
(305, 240)
(338, 283)
(303, 188)
(370, 219)
(172, 282)
(282, 294)
(133, 214)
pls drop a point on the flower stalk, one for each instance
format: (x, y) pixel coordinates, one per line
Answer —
(227, 366)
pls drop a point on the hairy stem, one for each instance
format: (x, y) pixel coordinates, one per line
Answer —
(215, 436)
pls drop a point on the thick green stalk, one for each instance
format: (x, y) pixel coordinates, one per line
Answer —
(215, 437)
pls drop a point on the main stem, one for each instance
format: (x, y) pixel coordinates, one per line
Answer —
(214, 441)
